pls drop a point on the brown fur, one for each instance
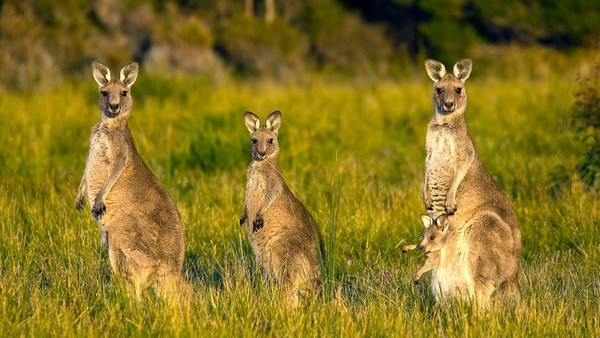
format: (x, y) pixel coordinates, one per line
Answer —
(284, 236)
(139, 222)
(483, 246)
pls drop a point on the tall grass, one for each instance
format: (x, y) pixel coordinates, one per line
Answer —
(354, 155)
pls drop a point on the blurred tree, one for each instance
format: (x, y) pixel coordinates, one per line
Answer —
(558, 23)
(249, 8)
(429, 26)
(270, 11)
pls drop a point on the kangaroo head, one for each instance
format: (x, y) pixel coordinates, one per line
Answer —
(449, 94)
(115, 96)
(434, 236)
(264, 143)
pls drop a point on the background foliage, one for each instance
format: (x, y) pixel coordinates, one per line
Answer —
(43, 41)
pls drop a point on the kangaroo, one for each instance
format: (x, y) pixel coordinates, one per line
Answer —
(449, 152)
(483, 244)
(139, 222)
(284, 236)
(434, 238)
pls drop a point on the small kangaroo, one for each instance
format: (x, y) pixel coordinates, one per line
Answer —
(483, 244)
(139, 222)
(284, 236)
(434, 238)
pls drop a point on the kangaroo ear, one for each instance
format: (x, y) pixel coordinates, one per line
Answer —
(274, 121)
(129, 74)
(252, 121)
(101, 73)
(435, 69)
(427, 221)
(462, 69)
(442, 222)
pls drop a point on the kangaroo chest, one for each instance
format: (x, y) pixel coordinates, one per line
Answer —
(441, 157)
(99, 163)
(256, 191)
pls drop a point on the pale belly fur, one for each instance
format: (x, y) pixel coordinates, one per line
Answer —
(452, 278)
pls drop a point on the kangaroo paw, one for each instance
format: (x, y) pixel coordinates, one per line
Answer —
(257, 224)
(99, 209)
(79, 204)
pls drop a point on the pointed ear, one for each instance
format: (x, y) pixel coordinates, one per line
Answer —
(462, 69)
(129, 74)
(274, 121)
(442, 222)
(252, 121)
(435, 69)
(427, 221)
(101, 73)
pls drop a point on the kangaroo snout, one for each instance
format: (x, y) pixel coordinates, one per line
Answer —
(262, 150)
(258, 155)
(448, 106)
(113, 108)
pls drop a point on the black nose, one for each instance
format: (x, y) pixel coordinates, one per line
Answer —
(113, 106)
(448, 105)
(419, 247)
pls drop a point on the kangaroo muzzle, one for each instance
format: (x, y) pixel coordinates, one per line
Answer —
(113, 108)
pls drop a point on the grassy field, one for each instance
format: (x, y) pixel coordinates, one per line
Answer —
(358, 144)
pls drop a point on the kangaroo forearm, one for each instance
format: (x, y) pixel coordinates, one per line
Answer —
(112, 179)
(422, 270)
(460, 175)
(244, 217)
(81, 188)
(81, 194)
(426, 193)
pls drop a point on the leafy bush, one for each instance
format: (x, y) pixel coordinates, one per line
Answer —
(182, 44)
(353, 47)
(447, 34)
(586, 121)
(257, 47)
(557, 23)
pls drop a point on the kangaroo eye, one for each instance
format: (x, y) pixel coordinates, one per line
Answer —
(124, 93)
(104, 93)
(254, 141)
(431, 238)
(270, 141)
(439, 90)
(458, 90)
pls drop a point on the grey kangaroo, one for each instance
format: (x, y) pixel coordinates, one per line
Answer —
(139, 222)
(434, 238)
(483, 246)
(284, 236)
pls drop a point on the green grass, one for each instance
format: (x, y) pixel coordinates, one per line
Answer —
(354, 153)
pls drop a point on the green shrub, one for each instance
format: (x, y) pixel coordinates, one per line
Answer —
(353, 47)
(447, 39)
(586, 121)
(179, 29)
(257, 47)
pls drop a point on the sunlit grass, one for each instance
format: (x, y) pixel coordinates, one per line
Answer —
(354, 154)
